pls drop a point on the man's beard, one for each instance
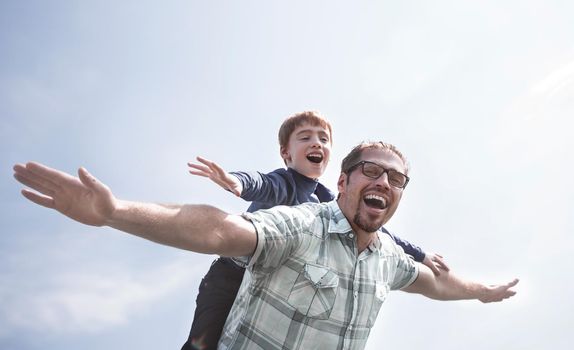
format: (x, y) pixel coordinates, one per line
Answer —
(367, 226)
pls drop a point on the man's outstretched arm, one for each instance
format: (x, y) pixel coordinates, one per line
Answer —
(447, 286)
(198, 228)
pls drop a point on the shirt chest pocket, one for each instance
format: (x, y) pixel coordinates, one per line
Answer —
(314, 291)
(381, 292)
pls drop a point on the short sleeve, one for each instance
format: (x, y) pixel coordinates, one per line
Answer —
(280, 231)
(406, 270)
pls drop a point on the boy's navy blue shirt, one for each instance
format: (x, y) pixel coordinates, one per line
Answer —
(288, 187)
(280, 187)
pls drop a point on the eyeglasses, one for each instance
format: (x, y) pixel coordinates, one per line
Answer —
(374, 171)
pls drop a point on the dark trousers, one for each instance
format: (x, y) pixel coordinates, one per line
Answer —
(217, 293)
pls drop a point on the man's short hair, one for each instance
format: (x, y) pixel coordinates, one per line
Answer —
(355, 155)
(291, 123)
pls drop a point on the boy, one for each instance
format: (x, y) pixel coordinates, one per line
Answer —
(305, 141)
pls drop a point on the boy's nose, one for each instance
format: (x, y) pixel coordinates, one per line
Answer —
(316, 142)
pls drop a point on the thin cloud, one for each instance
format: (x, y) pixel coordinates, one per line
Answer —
(77, 302)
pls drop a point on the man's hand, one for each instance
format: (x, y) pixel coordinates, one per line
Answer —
(216, 174)
(435, 262)
(494, 293)
(448, 286)
(83, 198)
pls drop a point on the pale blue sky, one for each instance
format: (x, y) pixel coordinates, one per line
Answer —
(478, 95)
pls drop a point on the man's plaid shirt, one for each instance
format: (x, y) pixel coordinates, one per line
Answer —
(306, 286)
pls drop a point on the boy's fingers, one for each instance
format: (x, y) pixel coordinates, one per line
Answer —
(216, 169)
(198, 173)
(203, 160)
(444, 265)
(202, 168)
(440, 261)
(212, 166)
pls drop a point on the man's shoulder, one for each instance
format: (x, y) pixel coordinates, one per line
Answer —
(310, 209)
(301, 212)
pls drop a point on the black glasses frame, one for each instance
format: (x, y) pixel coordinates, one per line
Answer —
(387, 171)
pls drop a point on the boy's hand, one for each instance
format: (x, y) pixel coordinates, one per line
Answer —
(435, 262)
(216, 174)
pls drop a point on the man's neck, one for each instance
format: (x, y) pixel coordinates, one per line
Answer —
(364, 240)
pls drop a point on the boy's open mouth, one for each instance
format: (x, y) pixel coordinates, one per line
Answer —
(375, 201)
(315, 157)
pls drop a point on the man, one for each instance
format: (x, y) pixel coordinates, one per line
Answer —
(317, 273)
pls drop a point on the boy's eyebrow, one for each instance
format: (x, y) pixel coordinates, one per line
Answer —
(304, 131)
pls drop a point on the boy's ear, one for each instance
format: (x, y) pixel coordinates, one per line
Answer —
(284, 153)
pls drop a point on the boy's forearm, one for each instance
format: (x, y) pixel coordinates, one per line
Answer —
(199, 228)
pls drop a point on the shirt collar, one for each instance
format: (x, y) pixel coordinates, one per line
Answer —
(339, 224)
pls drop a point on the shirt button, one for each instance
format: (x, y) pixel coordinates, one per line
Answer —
(351, 235)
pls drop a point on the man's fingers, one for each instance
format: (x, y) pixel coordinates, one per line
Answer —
(89, 180)
(513, 283)
(42, 200)
(34, 181)
(49, 175)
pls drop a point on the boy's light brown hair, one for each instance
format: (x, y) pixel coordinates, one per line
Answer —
(308, 117)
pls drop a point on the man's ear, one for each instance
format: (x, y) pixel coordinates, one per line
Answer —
(342, 183)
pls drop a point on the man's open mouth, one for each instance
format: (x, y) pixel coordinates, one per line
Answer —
(375, 201)
(315, 157)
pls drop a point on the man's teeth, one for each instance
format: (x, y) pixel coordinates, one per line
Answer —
(375, 201)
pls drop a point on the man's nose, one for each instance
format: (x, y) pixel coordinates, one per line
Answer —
(383, 181)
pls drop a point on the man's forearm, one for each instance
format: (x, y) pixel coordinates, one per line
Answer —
(448, 286)
(199, 228)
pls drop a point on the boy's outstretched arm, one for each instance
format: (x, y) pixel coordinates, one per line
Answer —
(216, 173)
(198, 228)
(448, 286)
